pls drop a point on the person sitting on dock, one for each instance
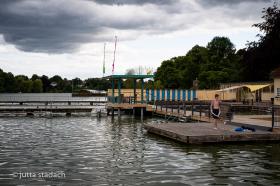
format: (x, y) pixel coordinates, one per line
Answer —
(215, 109)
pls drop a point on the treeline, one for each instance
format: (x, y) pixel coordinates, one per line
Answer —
(219, 62)
(37, 84)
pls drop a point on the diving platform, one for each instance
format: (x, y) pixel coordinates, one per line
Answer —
(120, 102)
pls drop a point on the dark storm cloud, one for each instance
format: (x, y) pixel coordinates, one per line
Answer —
(33, 27)
(62, 26)
(228, 2)
(135, 2)
(58, 26)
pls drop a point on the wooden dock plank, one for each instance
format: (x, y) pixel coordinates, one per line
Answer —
(126, 105)
(198, 133)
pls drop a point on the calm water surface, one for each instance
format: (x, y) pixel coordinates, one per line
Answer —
(120, 152)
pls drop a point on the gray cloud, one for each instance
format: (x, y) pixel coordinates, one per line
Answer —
(62, 26)
(33, 26)
(58, 26)
(135, 2)
(229, 2)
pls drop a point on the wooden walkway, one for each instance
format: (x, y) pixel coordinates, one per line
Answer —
(198, 133)
(257, 120)
(262, 121)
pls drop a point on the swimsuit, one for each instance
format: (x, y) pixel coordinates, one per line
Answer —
(215, 113)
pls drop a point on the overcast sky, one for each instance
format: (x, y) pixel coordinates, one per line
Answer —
(66, 37)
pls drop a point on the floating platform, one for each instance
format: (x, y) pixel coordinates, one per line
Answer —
(203, 132)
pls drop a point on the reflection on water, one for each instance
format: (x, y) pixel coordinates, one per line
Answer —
(112, 152)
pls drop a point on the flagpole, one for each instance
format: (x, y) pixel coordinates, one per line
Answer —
(113, 65)
(104, 59)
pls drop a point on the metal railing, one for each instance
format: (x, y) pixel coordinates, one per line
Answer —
(197, 109)
(122, 99)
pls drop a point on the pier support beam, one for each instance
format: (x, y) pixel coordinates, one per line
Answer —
(184, 105)
(142, 91)
(134, 92)
(142, 113)
(113, 91)
(119, 90)
(112, 112)
(119, 112)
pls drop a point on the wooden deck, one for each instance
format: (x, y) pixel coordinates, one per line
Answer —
(262, 121)
(198, 133)
(125, 106)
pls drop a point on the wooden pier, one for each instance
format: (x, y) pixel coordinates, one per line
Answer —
(203, 132)
(111, 107)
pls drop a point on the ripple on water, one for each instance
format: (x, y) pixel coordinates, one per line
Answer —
(106, 152)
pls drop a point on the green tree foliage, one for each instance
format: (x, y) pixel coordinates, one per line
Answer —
(37, 86)
(168, 73)
(263, 56)
(97, 84)
(46, 83)
(219, 62)
(129, 82)
(211, 65)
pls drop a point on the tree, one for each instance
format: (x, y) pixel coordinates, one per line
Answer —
(214, 64)
(130, 71)
(196, 57)
(34, 77)
(46, 83)
(37, 86)
(168, 74)
(2, 81)
(263, 56)
(56, 84)
(97, 83)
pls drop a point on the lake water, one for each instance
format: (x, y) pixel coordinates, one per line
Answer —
(87, 151)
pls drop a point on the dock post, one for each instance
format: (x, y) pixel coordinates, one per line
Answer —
(192, 108)
(119, 112)
(133, 110)
(156, 104)
(172, 106)
(184, 105)
(142, 91)
(134, 92)
(142, 113)
(200, 109)
(119, 90)
(178, 107)
(161, 104)
(272, 110)
(112, 112)
(113, 91)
